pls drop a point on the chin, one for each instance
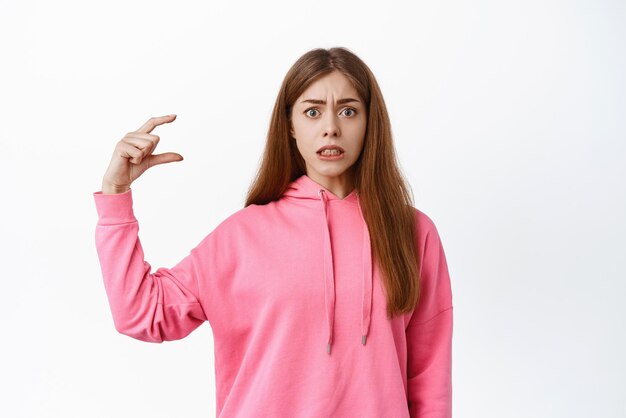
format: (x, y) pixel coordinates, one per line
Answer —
(329, 171)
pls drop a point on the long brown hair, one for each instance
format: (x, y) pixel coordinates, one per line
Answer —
(385, 197)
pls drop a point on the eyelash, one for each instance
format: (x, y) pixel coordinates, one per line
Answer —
(345, 108)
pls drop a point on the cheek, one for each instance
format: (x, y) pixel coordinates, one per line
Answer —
(300, 127)
(357, 132)
(306, 135)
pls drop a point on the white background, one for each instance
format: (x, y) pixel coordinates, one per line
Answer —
(508, 119)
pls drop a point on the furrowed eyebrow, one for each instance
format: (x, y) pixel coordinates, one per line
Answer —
(340, 101)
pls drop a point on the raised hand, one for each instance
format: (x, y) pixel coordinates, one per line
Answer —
(133, 155)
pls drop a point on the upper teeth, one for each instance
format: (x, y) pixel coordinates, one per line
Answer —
(331, 151)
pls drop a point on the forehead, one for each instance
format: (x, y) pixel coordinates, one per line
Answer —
(334, 85)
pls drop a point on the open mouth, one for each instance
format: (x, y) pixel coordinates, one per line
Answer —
(330, 152)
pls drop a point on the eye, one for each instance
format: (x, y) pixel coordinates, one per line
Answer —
(351, 109)
(306, 112)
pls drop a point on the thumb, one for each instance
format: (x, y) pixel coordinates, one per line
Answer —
(166, 157)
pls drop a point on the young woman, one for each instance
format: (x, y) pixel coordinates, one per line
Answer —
(328, 294)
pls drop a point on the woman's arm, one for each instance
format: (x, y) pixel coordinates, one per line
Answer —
(148, 306)
(429, 333)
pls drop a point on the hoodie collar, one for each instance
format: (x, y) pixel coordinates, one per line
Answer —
(305, 188)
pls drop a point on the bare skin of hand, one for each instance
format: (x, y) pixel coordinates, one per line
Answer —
(133, 155)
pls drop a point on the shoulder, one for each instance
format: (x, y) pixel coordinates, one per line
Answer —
(428, 239)
(245, 218)
(232, 232)
(424, 224)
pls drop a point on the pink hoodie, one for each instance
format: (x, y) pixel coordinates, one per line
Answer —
(296, 308)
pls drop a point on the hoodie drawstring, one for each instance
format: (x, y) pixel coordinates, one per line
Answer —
(367, 279)
(329, 275)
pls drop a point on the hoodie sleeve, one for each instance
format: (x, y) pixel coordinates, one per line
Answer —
(429, 332)
(149, 306)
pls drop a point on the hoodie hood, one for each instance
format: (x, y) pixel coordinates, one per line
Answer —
(305, 188)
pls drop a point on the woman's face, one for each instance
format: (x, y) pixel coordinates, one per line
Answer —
(329, 112)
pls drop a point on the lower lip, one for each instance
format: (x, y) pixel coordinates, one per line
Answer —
(330, 157)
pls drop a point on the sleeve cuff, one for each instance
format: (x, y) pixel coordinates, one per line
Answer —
(114, 208)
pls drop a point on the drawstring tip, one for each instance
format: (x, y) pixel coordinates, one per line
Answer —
(363, 340)
(328, 348)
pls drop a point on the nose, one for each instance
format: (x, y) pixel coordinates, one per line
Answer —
(331, 126)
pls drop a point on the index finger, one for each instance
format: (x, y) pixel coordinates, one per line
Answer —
(154, 122)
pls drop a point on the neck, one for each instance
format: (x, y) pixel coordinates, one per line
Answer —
(341, 185)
